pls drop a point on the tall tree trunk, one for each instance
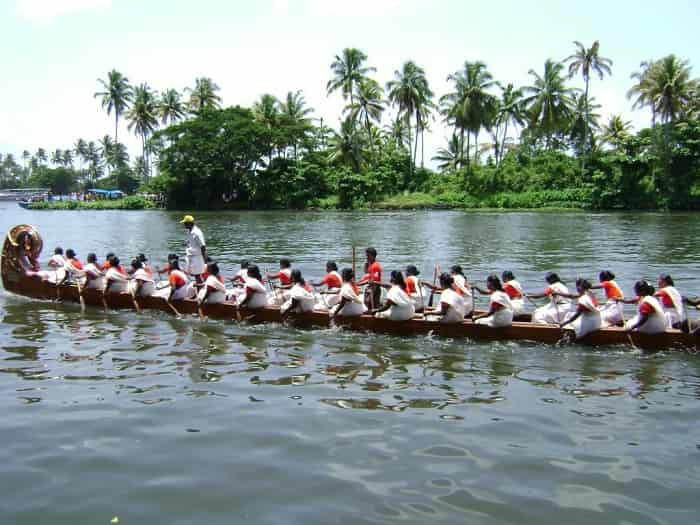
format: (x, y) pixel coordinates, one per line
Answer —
(468, 148)
(503, 142)
(461, 147)
(585, 130)
(410, 142)
(116, 125)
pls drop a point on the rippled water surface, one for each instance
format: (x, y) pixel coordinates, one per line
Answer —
(155, 420)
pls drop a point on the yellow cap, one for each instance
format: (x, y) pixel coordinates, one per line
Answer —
(186, 219)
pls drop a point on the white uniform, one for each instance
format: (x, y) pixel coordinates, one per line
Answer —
(195, 243)
(517, 302)
(256, 291)
(186, 291)
(557, 309)
(417, 296)
(461, 283)
(147, 289)
(402, 307)
(676, 313)
(589, 320)
(455, 313)
(216, 288)
(305, 300)
(656, 321)
(119, 281)
(501, 317)
(355, 306)
(612, 312)
(96, 280)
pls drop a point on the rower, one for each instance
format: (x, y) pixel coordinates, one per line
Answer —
(105, 265)
(671, 301)
(332, 281)
(94, 278)
(214, 289)
(196, 251)
(301, 298)
(611, 312)
(142, 284)
(284, 276)
(180, 287)
(397, 305)
(144, 263)
(500, 311)
(115, 276)
(57, 263)
(350, 305)
(461, 286)
(587, 317)
(73, 266)
(372, 278)
(451, 303)
(238, 281)
(255, 295)
(650, 318)
(515, 292)
(413, 287)
(554, 312)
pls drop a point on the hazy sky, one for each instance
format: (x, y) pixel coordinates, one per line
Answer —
(53, 51)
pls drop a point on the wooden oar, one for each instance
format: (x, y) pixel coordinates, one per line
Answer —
(136, 303)
(432, 290)
(104, 298)
(172, 307)
(80, 295)
(629, 334)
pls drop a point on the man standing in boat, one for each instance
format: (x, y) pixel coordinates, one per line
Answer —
(196, 252)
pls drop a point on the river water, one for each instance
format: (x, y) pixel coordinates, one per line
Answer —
(150, 419)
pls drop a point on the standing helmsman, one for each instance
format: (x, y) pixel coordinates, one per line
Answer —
(196, 253)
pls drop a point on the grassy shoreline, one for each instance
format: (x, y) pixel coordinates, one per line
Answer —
(127, 203)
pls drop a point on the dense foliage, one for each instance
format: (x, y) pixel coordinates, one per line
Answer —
(531, 146)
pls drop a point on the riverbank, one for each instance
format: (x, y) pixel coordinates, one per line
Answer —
(127, 203)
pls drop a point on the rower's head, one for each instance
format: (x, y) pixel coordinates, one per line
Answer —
(397, 279)
(174, 264)
(493, 283)
(114, 261)
(109, 256)
(142, 257)
(285, 263)
(136, 264)
(58, 251)
(254, 271)
(507, 276)
(412, 270)
(665, 280)
(582, 285)
(331, 266)
(173, 256)
(297, 278)
(643, 288)
(244, 264)
(606, 275)
(347, 275)
(456, 270)
(213, 268)
(188, 221)
(70, 253)
(371, 254)
(552, 277)
(91, 258)
(446, 280)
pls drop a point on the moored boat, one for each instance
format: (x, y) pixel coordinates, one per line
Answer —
(16, 281)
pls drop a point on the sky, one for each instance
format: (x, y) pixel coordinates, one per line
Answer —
(53, 51)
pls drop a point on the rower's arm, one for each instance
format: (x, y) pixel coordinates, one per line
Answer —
(535, 295)
(643, 318)
(692, 302)
(626, 301)
(387, 304)
(490, 312)
(571, 320)
(567, 295)
(482, 292)
(341, 305)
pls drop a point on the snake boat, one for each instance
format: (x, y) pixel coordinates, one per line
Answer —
(16, 281)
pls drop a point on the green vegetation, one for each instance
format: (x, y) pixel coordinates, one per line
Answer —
(539, 145)
(132, 202)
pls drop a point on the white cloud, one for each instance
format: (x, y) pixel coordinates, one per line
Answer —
(45, 9)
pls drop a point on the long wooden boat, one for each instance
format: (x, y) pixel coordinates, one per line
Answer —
(15, 281)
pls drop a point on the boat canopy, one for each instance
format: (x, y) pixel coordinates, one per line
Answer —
(109, 194)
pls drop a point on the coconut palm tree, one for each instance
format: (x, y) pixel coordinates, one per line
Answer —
(170, 107)
(641, 91)
(368, 106)
(587, 61)
(57, 157)
(94, 159)
(203, 95)
(584, 121)
(41, 156)
(410, 93)
(116, 96)
(294, 112)
(348, 71)
(143, 118)
(510, 111)
(616, 130)
(398, 133)
(549, 104)
(347, 146)
(450, 158)
(266, 112)
(67, 160)
(470, 107)
(105, 150)
(672, 87)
